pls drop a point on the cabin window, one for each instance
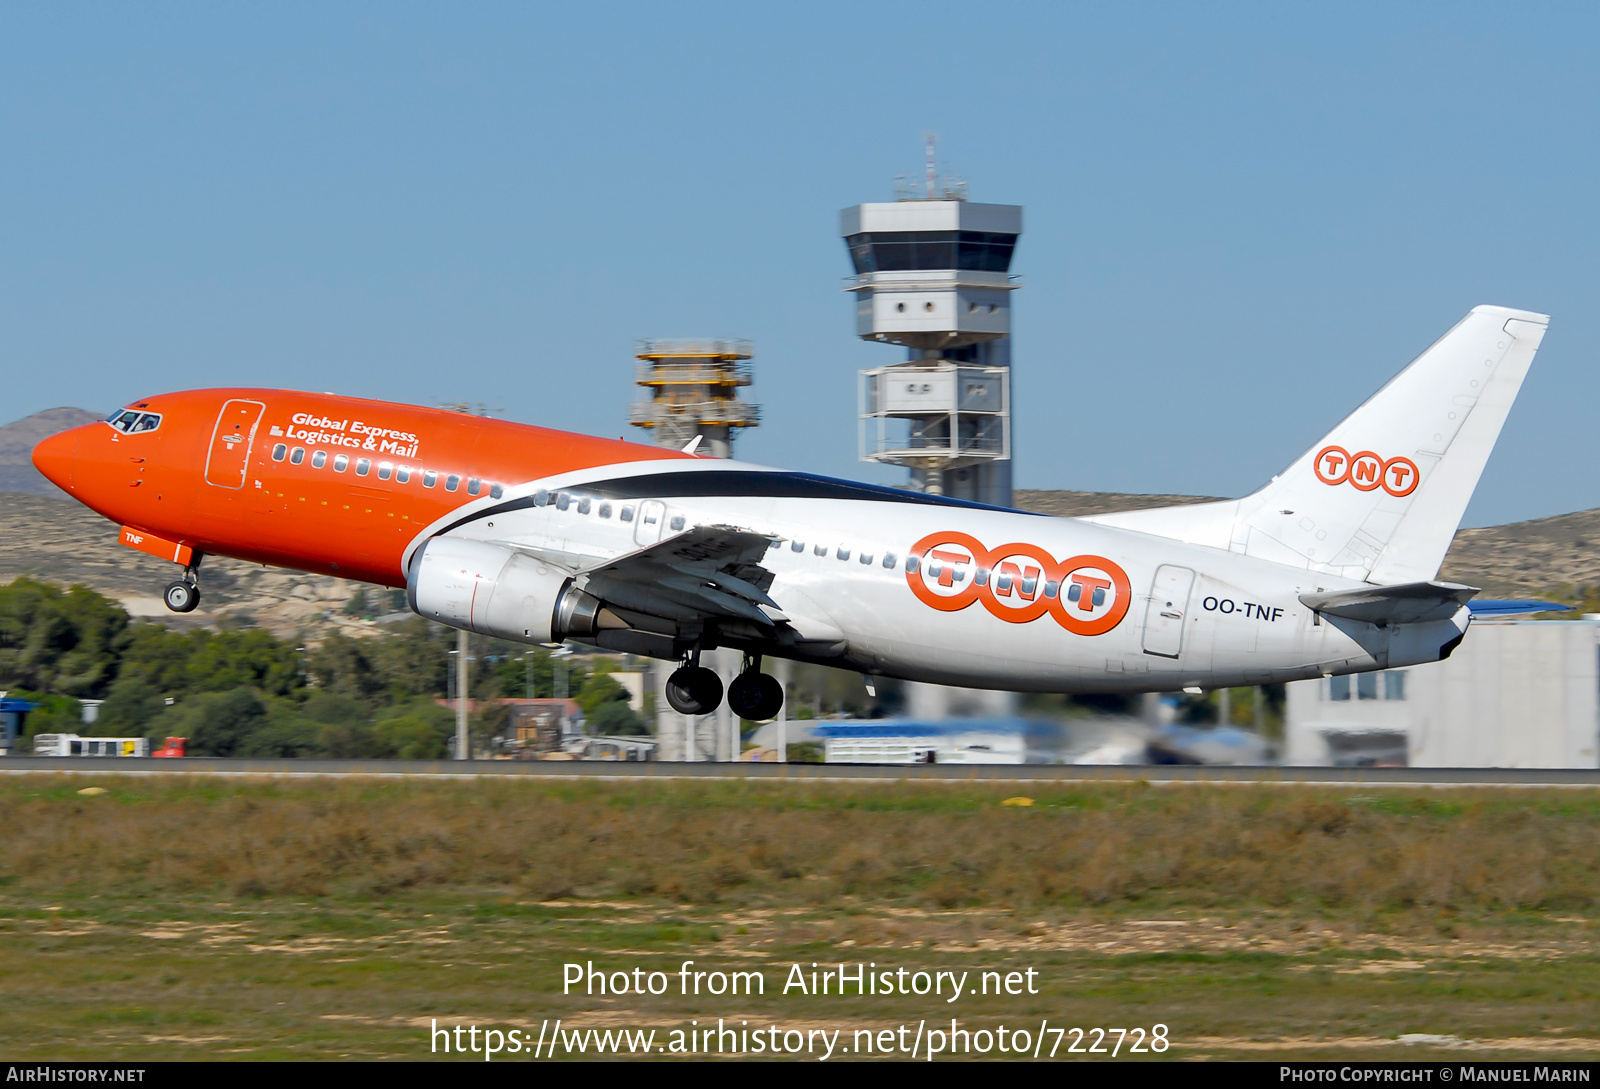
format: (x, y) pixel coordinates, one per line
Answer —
(605, 510)
(363, 467)
(496, 491)
(452, 482)
(474, 486)
(341, 462)
(797, 546)
(279, 451)
(866, 558)
(319, 459)
(627, 514)
(402, 474)
(583, 505)
(843, 553)
(384, 470)
(888, 560)
(677, 521)
(297, 455)
(563, 501)
(820, 550)
(913, 565)
(541, 497)
(429, 478)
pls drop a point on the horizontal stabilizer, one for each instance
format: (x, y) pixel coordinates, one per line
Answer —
(1407, 603)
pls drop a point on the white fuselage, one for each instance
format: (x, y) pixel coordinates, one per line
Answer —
(964, 595)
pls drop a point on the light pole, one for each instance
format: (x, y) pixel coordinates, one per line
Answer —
(463, 746)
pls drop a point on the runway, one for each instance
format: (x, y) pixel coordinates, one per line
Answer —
(799, 773)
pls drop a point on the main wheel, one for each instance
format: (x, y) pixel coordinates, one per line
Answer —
(182, 597)
(755, 696)
(694, 690)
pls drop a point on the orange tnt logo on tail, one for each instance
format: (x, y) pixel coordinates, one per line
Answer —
(1366, 471)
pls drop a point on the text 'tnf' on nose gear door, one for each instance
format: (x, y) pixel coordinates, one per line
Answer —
(1169, 605)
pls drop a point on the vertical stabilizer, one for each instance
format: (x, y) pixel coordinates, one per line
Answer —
(1379, 498)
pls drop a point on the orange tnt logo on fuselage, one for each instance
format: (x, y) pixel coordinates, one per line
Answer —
(1366, 471)
(1018, 583)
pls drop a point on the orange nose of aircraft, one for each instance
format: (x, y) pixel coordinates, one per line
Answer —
(54, 458)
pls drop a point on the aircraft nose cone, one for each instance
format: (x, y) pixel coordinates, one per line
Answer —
(54, 457)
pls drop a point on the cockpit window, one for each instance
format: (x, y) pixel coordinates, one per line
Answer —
(131, 421)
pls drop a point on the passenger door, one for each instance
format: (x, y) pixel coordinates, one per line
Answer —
(1169, 605)
(228, 460)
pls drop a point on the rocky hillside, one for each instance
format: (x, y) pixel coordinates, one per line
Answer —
(18, 439)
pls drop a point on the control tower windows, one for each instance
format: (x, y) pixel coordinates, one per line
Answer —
(909, 251)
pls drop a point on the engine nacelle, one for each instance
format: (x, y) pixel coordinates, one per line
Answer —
(491, 590)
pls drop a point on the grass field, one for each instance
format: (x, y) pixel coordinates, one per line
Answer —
(196, 917)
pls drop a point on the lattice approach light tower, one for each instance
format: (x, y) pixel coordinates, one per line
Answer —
(932, 273)
(694, 390)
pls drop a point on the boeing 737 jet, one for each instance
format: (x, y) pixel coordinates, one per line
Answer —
(542, 536)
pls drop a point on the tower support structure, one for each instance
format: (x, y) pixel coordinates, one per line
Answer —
(694, 390)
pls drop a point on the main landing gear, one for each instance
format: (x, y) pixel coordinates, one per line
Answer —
(183, 596)
(694, 690)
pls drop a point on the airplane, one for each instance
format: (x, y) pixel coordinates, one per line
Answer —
(542, 536)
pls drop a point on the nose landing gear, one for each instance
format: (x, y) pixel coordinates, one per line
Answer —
(183, 596)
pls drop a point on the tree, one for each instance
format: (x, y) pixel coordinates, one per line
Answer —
(218, 723)
(65, 642)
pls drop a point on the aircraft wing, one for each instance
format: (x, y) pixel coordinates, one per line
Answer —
(1407, 603)
(708, 572)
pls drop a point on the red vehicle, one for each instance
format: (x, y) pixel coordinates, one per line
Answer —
(173, 747)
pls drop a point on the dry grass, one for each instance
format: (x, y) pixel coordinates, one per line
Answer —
(316, 919)
(1476, 851)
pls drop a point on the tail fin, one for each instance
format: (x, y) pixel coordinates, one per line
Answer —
(1380, 497)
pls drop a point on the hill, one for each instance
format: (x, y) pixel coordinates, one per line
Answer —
(18, 439)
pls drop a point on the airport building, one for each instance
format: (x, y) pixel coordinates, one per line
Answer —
(932, 274)
(1515, 694)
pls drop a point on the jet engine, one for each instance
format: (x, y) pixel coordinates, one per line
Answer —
(497, 591)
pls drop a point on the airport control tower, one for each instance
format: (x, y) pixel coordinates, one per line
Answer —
(932, 273)
(694, 390)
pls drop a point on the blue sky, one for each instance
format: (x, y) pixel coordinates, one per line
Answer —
(1240, 219)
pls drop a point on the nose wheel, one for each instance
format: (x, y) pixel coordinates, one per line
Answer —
(182, 596)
